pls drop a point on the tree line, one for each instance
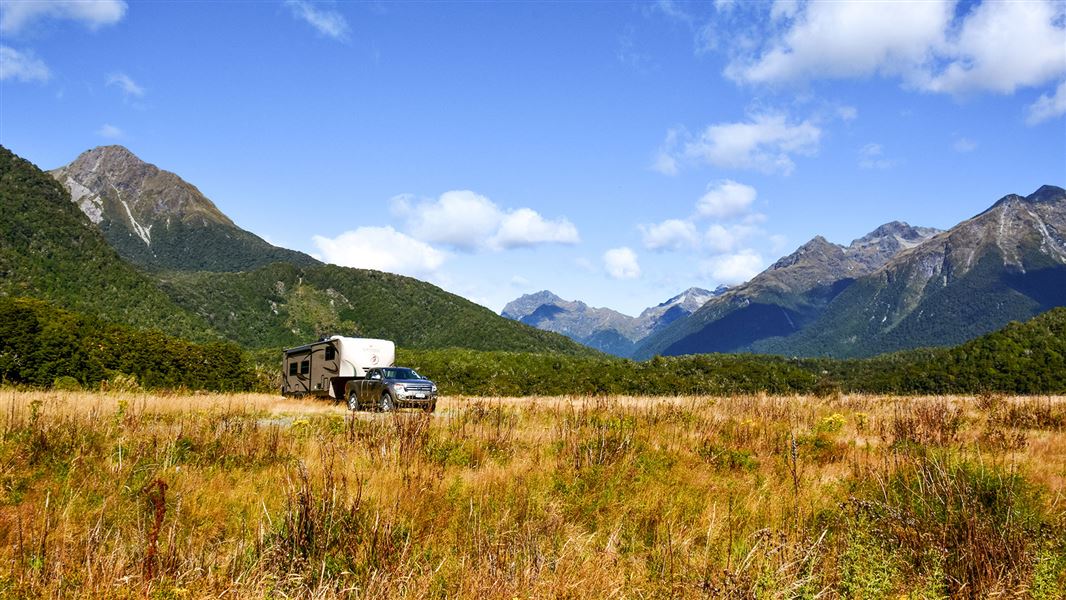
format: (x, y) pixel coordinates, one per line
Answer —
(41, 345)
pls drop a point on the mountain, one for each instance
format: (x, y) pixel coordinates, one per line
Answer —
(285, 305)
(1006, 264)
(786, 297)
(155, 219)
(602, 328)
(51, 250)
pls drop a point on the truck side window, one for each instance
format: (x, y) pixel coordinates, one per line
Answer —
(305, 367)
(292, 368)
(331, 353)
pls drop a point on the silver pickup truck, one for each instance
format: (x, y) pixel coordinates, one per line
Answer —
(389, 388)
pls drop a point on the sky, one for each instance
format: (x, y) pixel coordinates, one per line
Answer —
(615, 153)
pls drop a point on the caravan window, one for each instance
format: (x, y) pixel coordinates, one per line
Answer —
(305, 367)
(331, 353)
(292, 368)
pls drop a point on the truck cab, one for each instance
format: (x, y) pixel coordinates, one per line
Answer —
(388, 388)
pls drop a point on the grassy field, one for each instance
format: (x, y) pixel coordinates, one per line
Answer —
(131, 495)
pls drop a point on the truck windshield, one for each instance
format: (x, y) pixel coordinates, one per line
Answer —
(401, 374)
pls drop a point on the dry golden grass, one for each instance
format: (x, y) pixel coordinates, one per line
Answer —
(246, 495)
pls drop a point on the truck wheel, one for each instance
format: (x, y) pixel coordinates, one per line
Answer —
(353, 402)
(432, 406)
(387, 405)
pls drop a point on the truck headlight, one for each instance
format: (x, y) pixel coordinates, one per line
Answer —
(434, 388)
(401, 387)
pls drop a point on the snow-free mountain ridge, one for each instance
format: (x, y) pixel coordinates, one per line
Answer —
(155, 219)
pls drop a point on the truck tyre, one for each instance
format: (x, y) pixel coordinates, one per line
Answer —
(431, 407)
(353, 401)
(387, 405)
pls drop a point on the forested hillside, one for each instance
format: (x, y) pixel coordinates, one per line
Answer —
(286, 305)
(49, 250)
(42, 345)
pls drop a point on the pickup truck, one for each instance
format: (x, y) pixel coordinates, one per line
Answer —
(388, 388)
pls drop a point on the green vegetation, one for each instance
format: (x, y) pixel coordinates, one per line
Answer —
(1025, 358)
(43, 346)
(514, 374)
(855, 323)
(49, 250)
(286, 305)
(1021, 358)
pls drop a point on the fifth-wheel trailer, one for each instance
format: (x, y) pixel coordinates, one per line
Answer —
(323, 368)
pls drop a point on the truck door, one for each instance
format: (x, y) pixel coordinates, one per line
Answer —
(372, 386)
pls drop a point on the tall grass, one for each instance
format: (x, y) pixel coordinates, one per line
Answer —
(133, 495)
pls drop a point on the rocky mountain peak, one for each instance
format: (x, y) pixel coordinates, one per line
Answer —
(111, 182)
(818, 246)
(155, 218)
(882, 244)
(526, 304)
(899, 231)
(1047, 193)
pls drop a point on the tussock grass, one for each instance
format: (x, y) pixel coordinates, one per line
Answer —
(185, 496)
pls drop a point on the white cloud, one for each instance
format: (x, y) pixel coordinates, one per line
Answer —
(872, 156)
(848, 39)
(671, 234)
(462, 219)
(621, 263)
(15, 15)
(1047, 107)
(964, 144)
(469, 221)
(23, 66)
(1002, 46)
(382, 249)
(765, 143)
(129, 87)
(329, 23)
(110, 132)
(726, 199)
(996, 46)
(721, 239)
(731, 269)
(525, 227)
(728, 204)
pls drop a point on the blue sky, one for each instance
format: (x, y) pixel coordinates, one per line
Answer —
(612, 152)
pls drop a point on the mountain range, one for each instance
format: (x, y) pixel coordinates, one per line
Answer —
(897, 287)
(114, 236)
(137, 245)
(604, 329)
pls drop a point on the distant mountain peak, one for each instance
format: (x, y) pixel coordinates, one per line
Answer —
(1047, 193)
(892, 237)
(603, 328)
(692, 293)
(154, 218)
(527, 304)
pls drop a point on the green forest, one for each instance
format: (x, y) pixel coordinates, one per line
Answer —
(42, 345)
